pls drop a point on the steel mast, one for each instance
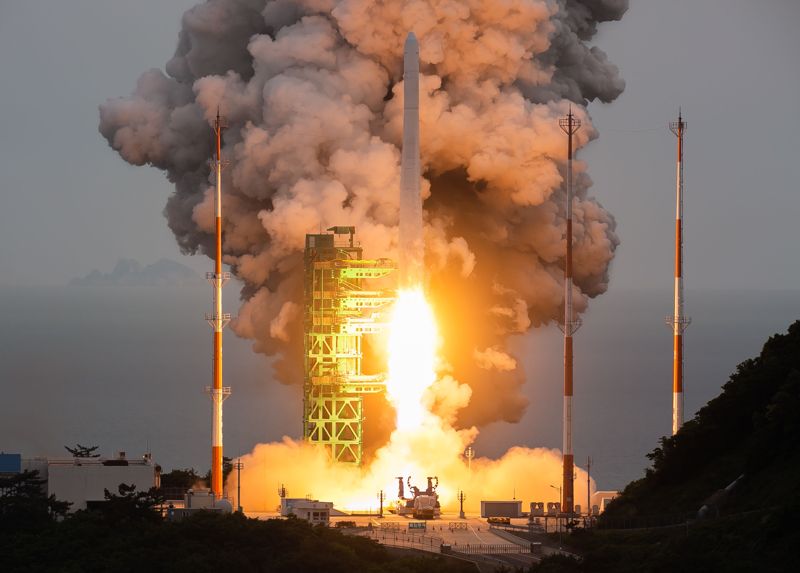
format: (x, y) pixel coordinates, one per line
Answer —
(678, 321)
(217, 320)
(569, 125)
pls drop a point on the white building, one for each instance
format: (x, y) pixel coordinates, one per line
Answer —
(601, 499)
(198, 499)
(314, 511)
(83, 481)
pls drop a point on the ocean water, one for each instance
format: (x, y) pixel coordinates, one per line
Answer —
(125, 368)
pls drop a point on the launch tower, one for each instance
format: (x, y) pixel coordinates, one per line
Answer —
(339, 309)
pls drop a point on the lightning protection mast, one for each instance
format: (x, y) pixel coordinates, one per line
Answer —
(569, 125)
(217, 320)
(678, 321)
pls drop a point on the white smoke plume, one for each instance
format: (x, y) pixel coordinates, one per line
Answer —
(312, 92)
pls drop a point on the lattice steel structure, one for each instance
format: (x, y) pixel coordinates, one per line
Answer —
(339, 310)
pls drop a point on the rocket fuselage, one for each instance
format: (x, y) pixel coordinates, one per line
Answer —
(411, 228)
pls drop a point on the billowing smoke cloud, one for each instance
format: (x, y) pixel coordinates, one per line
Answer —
(312, 91)
(433, 447)
(524, 473)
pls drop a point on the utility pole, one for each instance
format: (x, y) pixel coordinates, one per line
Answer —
(238, 467)
(678, 321)
(570, 126)
(558, 519)
(381, 497)
(588, 486)
(282, 493)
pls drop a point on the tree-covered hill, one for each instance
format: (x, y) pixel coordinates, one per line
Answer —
(749, 433)
(752, 429)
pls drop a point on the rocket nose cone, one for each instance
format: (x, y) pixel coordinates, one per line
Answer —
(411, 53)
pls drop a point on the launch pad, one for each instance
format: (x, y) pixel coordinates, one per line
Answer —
(423, 504)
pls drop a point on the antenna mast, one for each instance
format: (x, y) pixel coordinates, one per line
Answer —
(217, 320)
(678, 321)
(569, 125)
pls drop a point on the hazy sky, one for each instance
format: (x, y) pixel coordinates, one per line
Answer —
(734, 67)
(70, 204)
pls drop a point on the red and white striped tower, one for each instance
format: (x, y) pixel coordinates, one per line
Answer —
(217, 320)
(678, 321)
(571, 324)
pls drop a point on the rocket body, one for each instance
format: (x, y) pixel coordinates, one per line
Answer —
(411, 229)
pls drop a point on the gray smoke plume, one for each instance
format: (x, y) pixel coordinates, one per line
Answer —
(313, 96)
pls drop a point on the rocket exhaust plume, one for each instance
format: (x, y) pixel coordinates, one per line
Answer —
(678, 321)
(314, 96)
(410, 227)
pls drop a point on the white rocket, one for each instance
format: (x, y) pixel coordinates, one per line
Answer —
(411, 230)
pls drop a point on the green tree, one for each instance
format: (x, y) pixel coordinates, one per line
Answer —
(751, 428)
(183, 479)
(80, 451)
(24, 503)
(131, 505)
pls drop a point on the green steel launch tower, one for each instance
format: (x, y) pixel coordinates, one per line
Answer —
(339, 309)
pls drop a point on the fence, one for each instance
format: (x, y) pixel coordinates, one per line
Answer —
(530, 528)
(489, 549)
(399, 538)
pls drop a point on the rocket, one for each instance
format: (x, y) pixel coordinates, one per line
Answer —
(411, 229)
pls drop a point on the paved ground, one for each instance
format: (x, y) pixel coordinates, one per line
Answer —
(452, 530)
(477, 529)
